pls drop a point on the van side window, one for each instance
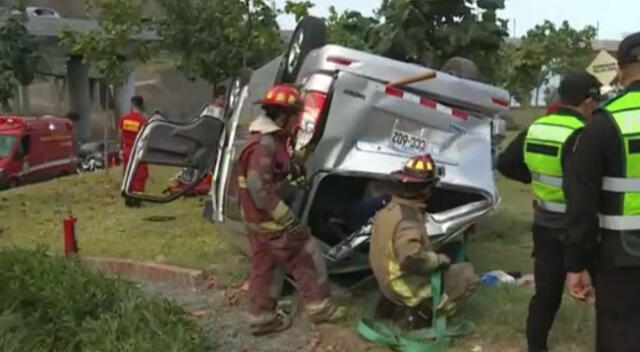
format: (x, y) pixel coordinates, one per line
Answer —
(25, 146)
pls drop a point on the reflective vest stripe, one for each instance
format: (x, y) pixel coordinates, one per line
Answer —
(543, 152)
(625, 113)
(242, 182)
(621, 185)
(552, 207)
(547, 180)
(400, 286)
(620, 222)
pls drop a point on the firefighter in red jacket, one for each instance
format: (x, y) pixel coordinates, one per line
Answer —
(276, 235)
(130, 125)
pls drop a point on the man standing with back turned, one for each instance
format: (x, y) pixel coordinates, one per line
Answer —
(538, 156)
(603, 215)
(130, 125)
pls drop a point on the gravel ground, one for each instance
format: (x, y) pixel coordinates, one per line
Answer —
(223, 314)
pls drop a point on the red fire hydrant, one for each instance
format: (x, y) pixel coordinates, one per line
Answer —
(70, 243)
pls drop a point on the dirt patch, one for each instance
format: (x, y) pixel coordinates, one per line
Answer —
(223, 314)
(333, 338)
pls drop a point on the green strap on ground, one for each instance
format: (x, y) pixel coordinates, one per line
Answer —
(434, 339)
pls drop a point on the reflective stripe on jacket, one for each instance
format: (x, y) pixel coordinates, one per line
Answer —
(262, 165)
(400, 254)
(625, 112)
(546, 139)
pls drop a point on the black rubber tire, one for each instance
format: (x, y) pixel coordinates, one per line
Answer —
(13, 183)
(314, 35)
(461, 68)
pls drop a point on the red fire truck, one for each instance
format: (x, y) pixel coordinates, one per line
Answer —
(35, 149)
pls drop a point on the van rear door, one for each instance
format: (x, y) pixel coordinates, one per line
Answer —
(196, 146)
(372, 129)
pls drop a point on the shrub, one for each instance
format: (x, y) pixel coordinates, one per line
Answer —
(52, 304)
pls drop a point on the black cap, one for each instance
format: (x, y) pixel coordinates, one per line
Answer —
(577, 87)
(629, 49)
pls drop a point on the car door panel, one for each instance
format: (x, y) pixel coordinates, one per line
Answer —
(192, 146)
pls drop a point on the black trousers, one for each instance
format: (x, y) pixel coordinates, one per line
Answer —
(618, 309)
(550, 275)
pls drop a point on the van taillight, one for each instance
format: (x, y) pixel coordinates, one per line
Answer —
(310, 118)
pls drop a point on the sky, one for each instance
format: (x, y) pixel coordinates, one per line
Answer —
(615, 18)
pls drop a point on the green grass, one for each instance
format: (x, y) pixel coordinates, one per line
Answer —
(32, 216)
(52, 304)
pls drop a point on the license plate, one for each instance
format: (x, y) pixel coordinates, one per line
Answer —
(406, 142)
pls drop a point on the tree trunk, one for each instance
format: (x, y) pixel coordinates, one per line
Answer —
(249, 29)
(107, 122)
(6, 106)
(25, 100)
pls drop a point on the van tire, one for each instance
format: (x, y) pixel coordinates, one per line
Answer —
(235, 88)
(13, 183)
(461, 68)
(310, 34)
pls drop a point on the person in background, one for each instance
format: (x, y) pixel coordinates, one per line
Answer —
(216, 108)
(276, 235)
(603, 215)
(538, 157)
(130, 125)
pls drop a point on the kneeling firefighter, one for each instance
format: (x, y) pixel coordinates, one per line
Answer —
(276, 235)
(402, 258)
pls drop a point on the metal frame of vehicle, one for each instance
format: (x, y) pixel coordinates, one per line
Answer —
(356, 129)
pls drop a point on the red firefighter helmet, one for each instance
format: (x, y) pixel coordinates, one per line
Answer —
(284, 96)
(419, 169)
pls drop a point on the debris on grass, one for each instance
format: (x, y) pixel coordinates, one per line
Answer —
(212, 282)
(159, 218)
(201, 314)
(314, 342)
(234, 296)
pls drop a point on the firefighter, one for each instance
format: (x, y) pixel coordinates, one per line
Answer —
(538, 157)
(402, 258)
(130, 125)
(603, 216)
(276, 235)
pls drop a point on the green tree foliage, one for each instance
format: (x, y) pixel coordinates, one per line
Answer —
(112, 48)
(427, 32)
(214, 39)
(432, 31)
(352, 29)
(545, 51)
(19, 57)
(299, 9)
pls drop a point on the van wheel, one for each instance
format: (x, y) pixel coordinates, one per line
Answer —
(235, 89)
(462, 68)
(310, 34)
(13, 183)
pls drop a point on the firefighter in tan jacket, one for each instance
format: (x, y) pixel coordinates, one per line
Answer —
(402, 257)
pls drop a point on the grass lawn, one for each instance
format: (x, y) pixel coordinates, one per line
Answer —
(52, 304)
(33, 215)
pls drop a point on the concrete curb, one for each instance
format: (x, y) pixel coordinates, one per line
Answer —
(146, 271)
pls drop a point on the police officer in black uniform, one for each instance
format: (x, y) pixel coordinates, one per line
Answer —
(538, 155)
(602, 185)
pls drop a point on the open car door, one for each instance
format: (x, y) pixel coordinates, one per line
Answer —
(194, 146)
